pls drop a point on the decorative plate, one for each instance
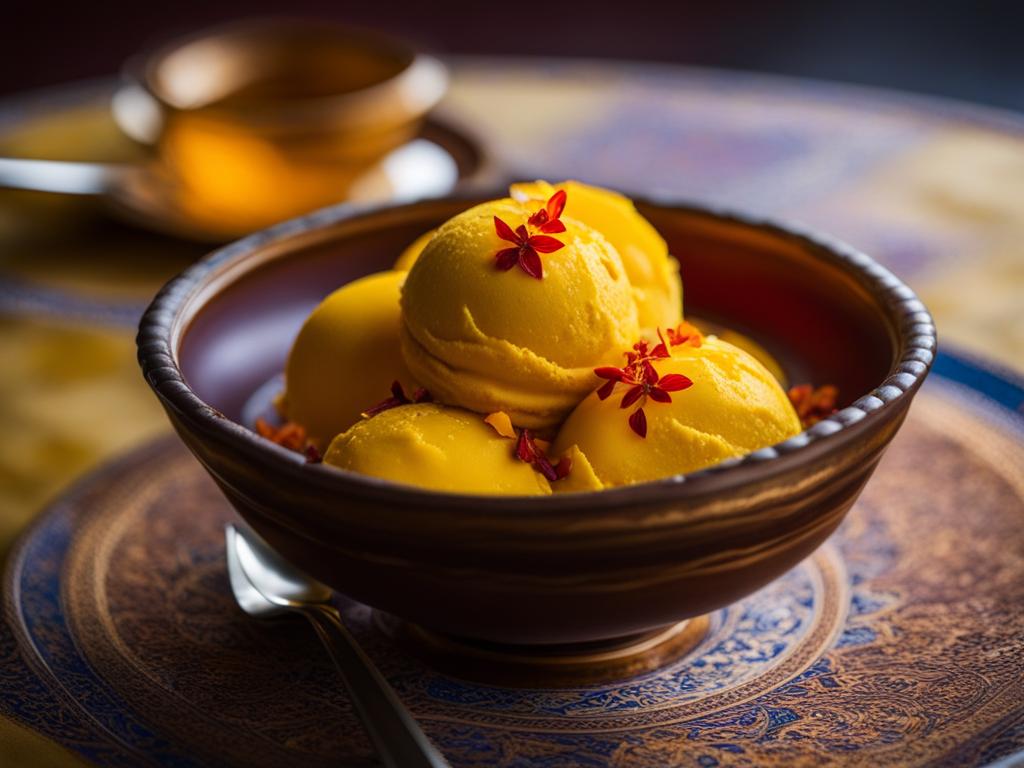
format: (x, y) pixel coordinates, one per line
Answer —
(897, 642)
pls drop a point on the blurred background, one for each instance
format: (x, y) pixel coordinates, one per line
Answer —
(934, 191)
(967, 49)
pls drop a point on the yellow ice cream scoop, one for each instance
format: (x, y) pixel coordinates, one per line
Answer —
(510, 310)
(652, 272)
(701, 405)
(412, 251)
(435, 447)
(345, 356)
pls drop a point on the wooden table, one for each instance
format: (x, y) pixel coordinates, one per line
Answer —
(933, 189)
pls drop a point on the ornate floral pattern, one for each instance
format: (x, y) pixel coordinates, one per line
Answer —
(867, 653)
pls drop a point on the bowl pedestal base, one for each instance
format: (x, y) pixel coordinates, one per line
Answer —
(546, 666)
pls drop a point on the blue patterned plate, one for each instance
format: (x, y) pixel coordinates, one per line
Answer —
(897, 642)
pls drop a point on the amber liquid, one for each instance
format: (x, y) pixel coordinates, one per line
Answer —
(262, 143)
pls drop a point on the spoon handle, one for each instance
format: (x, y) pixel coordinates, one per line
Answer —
(399, 740)
(63, 177)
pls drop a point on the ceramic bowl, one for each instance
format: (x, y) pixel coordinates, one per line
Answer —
(566, 568)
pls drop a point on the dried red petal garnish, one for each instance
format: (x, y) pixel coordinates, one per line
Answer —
(638, 422)
(527, 247)
(563, 467)
(398, 397)
(313, 455)
(289, 435)
(812, 405)
(643, 380)
(528, 451)
(685, 333)
(547, 218)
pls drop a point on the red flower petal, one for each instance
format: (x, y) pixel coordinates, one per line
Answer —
(651, 375)
(606, 389)
(674, 382)
(556, 204)
(507, 259)
(542, 465)
(545, 244)
(638, 422)
(563, 467)
(524, 447)
(397, 398)
(552, 227)
(609, 372)
(660, 351)
(632, 396)
(546, 220)
(383, 405)
(659, 395)
(529, 452)
(530, 261)
(685, 333)
(505, 231)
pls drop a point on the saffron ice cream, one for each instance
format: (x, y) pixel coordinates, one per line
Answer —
(508, 324)
(515, 323)
(412, 251)
(653, 274)
(345, 357)
(436, 447)
(703, 404)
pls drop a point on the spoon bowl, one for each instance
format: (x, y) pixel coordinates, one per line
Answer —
(267, 586)
(264, 583)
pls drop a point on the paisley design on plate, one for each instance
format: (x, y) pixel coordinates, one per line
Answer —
(898, 642)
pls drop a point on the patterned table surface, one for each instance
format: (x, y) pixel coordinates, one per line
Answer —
(934, 190)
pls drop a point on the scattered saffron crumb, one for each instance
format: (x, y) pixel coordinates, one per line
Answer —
(501, 423)
(289, 435)
(812, 405)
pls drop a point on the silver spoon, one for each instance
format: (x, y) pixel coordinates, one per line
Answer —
(265, 586)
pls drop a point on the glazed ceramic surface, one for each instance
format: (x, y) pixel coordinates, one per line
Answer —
(567, 568)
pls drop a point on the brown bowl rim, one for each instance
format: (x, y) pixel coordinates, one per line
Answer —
(915, 343)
